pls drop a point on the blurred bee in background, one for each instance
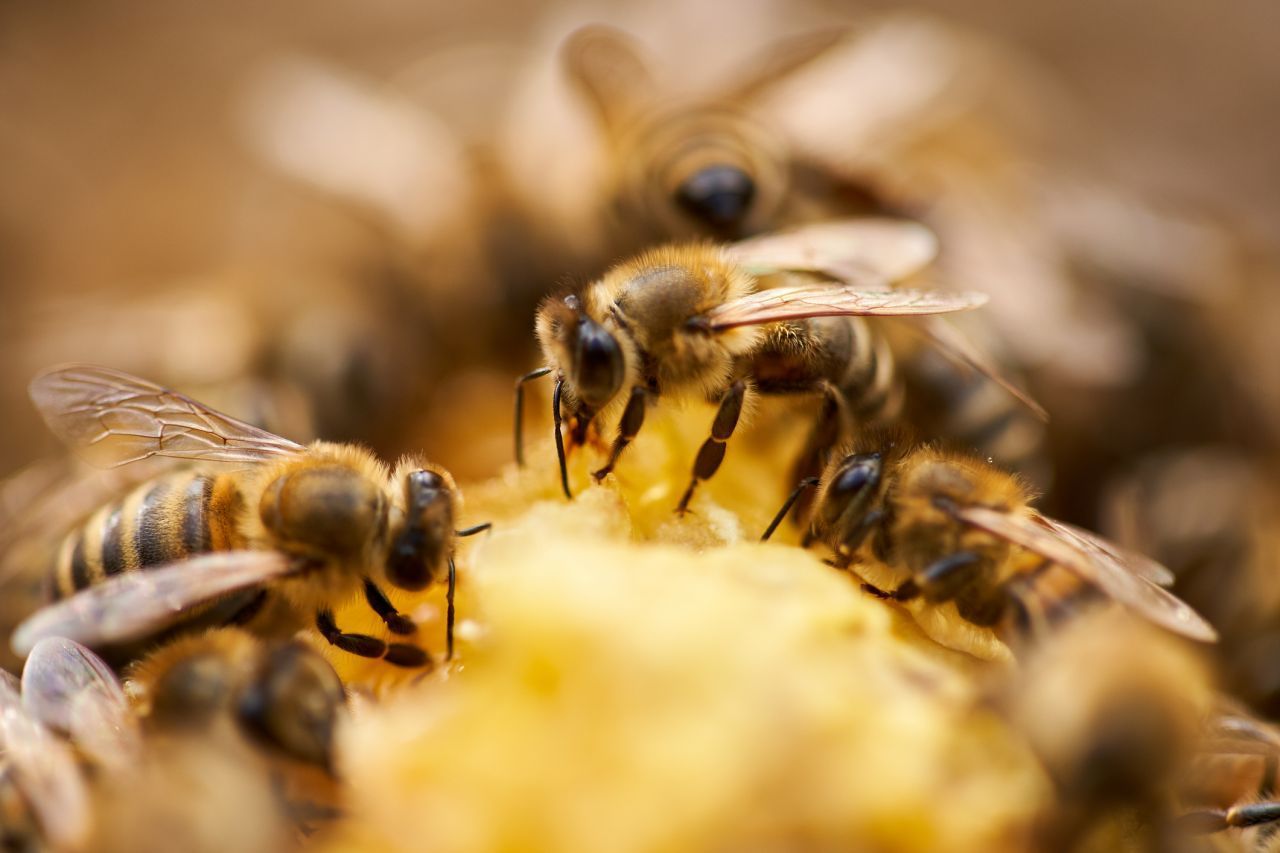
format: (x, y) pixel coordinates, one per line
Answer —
(1230, 783)
(281, 697)
(1209, 514)
(688, 322)
(922, 523)
(271, 544)
(1115, 732)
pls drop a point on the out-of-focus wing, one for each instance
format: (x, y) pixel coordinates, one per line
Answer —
(955, 346)
(45, 770)
(112, 418)
(824, 300)
(1113, 578)
(136, 604)
(1104, 550)
(869, 252)
(71, 690)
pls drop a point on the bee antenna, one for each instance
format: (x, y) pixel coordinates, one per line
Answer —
(806, 483)
(474, 529)
(519, 427)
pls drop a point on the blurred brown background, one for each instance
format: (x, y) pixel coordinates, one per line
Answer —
(121, 170)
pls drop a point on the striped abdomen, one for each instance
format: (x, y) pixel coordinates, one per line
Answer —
(162, 521)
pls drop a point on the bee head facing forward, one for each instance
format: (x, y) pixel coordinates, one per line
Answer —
(587, 353)
(421, 545)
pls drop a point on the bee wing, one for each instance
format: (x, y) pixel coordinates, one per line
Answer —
(952, 343)
(112, 418)
(1111, 576)
(1101, 549)
(45, 770)
(132, 605)
(1238, 734)
(825, 300)
(867, 251)
(71, 690)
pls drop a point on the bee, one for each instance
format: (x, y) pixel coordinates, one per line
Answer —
(683, 167)
(688, 322)
(719, 166)
(1115, 732)
(275, 541)
(946, 527)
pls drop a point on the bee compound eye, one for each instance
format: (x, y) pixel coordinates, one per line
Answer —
(600, 369)
(719, 195)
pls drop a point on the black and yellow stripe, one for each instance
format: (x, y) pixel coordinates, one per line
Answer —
(164, 520)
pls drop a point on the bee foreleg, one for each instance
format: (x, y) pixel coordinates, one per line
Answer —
(711, 454)
(449, 613)
(397, 622)
(362, 645)
(906, 592)
(628, 428)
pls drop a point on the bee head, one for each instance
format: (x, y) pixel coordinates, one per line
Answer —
(586, 351)
(718, 194)
(421, 546)
(852, 489)
(293, 704)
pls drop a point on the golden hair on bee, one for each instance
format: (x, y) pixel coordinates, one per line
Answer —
(688, 322)
(279, 540)
(955, 539)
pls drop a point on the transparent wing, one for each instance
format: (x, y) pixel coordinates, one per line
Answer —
(133, 605)
(71, 690)
(825, 300)
(1104, 550)
(869, 252)
(45, 770)
(1240, 734)
(952, 343)
(112, 418)
(1113, 578)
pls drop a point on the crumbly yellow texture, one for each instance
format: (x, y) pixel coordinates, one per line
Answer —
(630, 680)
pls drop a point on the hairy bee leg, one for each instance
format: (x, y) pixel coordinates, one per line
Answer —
(519, 410)
(396, 622)
(556, 419)
(942, 579)
(906, 592)
(449, 611)
(628, 428)
(711, 454)
(362, 645)
(806, 483)
(1205, 821)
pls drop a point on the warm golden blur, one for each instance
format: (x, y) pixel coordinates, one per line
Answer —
(337, 221)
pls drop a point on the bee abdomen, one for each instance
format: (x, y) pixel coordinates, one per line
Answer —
(871, 384)
(163, 521)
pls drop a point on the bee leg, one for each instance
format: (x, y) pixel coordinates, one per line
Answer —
(1237, 817)
(396, 622)
(944, 578)
(449, 612)
(711, 454)
(362, 645)
(519, 425)
(556, 419)
(906, 592)
(628, 428)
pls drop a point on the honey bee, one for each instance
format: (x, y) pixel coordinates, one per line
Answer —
(688, 322)
(718, 165)
(284, 695)
(922, 523)
(278, 539)
(1115, 732)
(684, 167)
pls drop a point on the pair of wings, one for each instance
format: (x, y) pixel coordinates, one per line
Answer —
(1131, 579)
(863, 257)
(112, 418)
(65, 690)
